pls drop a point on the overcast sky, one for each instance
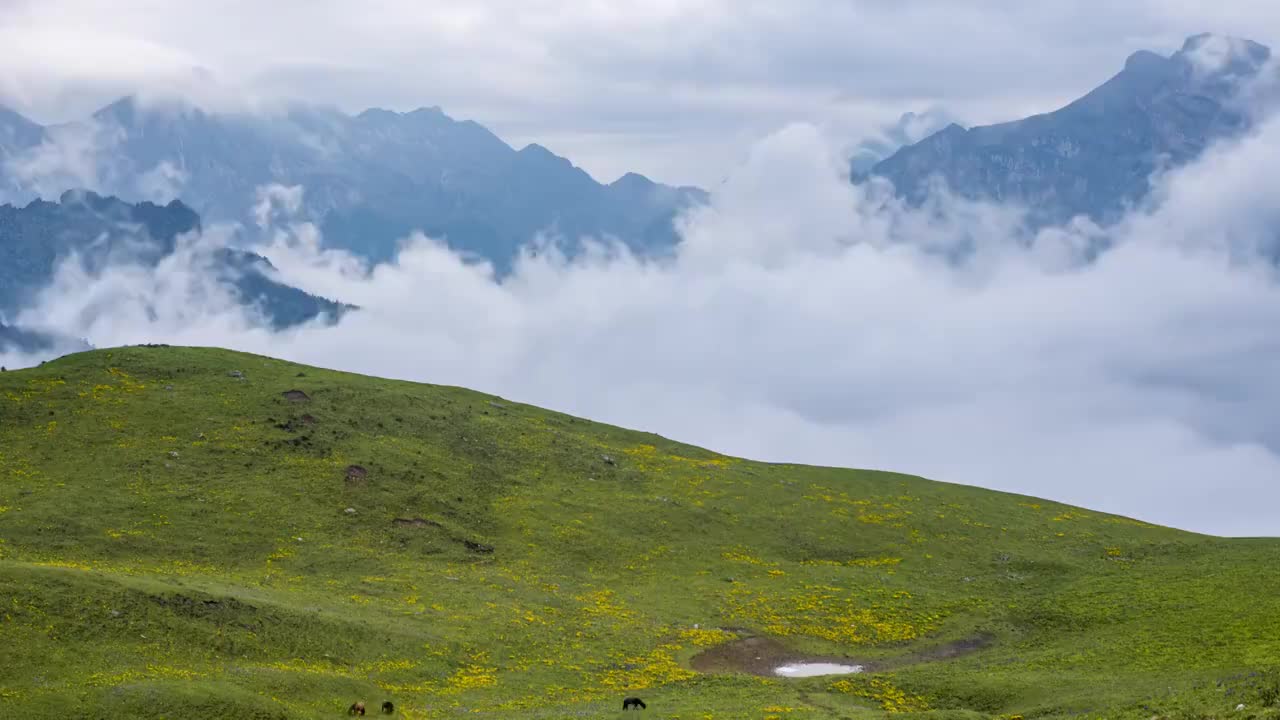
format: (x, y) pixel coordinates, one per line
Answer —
(676, 89)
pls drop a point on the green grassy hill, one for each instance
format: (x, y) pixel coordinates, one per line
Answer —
(181, 539)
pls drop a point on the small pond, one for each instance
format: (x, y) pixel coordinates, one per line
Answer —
(797, 670)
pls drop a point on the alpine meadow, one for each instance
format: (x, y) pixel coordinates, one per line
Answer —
(195, 533)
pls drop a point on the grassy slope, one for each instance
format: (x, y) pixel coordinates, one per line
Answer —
(174, 543)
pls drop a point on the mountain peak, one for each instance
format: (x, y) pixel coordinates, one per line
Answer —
(540, 153)
(131, 110)
(432, 111)
(1145, 60)
(122, 111)
(633, 181)
(1094, 156)
(432, 115)
(377, 113)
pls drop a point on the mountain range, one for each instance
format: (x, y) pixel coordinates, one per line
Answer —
(36, 238)
(372, 178)
(369, 179)
(1097, 155)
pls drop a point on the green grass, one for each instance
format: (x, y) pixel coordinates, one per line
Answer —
(174, 543)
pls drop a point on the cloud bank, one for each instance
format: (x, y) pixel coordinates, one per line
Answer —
(804, 319)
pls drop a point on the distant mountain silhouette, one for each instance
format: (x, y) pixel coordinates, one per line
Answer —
(1095, 156)
(372, 178)
(99, 230)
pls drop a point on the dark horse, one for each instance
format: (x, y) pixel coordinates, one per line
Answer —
(633, 702)
(388, 708)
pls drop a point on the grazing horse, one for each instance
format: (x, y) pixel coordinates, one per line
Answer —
(633, 702)
(357, 708)
(388, 708)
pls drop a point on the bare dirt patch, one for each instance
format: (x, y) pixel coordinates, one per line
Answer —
(356, 475)
(295, 396)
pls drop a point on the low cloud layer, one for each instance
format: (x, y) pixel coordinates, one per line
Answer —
(806, 319)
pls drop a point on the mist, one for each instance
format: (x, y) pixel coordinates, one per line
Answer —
(806, 319)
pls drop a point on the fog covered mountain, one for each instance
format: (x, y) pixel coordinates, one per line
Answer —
(911, 127)
(97, 230)
(369, 179)
(1096, 155)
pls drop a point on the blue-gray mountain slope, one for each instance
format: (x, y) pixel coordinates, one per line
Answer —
(36, 238)
(1097, 155)
(372, 178)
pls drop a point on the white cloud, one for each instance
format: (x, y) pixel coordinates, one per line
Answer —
(71, 156)
(85, 156)
(161, 183)
(274, 200)
(805, 319)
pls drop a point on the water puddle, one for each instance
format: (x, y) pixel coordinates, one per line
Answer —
(769, 657)
(798, 670)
